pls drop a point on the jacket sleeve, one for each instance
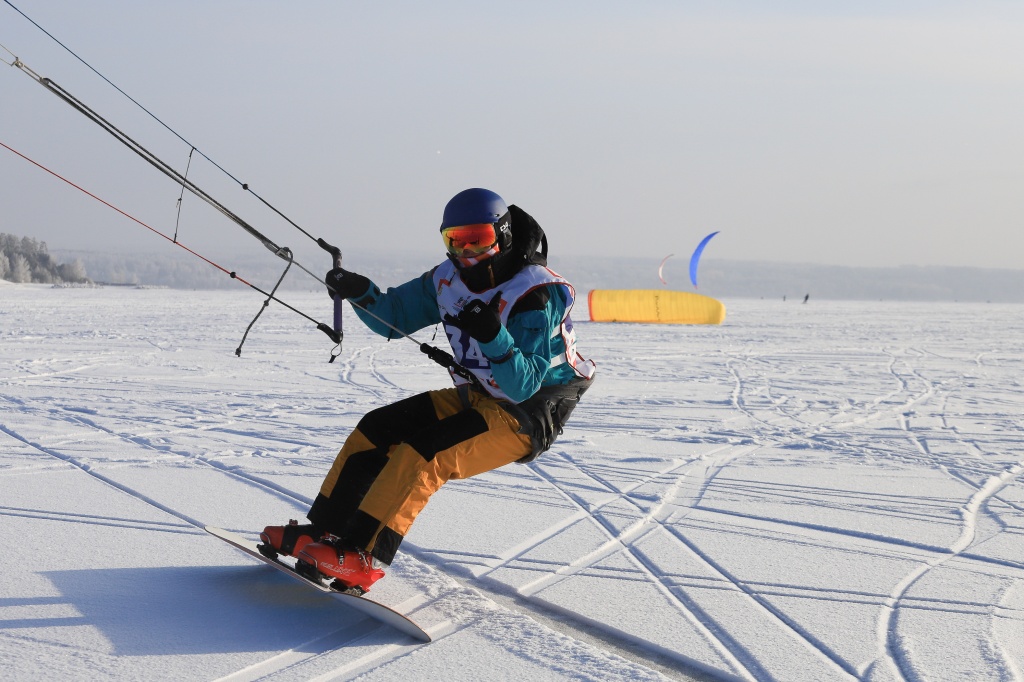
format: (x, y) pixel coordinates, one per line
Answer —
(409, 307)
(521, 353)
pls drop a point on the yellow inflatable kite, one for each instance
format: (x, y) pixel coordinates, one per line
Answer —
(654, 305)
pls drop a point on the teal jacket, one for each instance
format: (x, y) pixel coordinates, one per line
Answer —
(525, 345)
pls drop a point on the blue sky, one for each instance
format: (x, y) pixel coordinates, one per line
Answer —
(881, 134)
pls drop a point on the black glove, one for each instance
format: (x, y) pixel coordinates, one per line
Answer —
(346, 284)
(478, 319)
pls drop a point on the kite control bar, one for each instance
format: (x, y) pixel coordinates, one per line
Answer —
(338, 301)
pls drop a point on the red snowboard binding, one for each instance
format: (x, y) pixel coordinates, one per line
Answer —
(288, 540)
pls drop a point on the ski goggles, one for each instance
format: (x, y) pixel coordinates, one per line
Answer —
(471, 240)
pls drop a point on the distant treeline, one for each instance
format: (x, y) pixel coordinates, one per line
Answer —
(718, 278)
(793, 281)
(176, 270)
(26, 260)
(164, 269)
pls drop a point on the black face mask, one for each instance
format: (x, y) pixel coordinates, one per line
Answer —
(487, 274)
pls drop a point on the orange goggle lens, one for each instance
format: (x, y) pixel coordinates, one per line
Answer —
(471, 239)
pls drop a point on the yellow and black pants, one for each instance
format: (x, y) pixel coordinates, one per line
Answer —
(401, 454)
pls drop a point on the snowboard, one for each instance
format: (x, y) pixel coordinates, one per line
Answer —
(375, 610)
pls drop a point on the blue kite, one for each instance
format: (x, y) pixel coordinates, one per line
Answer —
(695, 258)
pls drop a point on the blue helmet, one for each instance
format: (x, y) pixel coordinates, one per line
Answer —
(473, 207)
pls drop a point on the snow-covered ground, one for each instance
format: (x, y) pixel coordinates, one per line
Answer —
(825, 491)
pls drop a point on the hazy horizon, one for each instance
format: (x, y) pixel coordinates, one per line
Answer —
(860, 136)
(718, 278)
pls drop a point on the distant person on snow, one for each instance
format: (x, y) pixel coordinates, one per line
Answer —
(507, 319)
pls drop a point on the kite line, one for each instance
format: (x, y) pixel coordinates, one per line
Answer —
(335, 333)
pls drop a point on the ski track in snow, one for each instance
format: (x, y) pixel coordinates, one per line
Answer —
(733, 449)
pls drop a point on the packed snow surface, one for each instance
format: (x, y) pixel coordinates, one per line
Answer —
(821, 491)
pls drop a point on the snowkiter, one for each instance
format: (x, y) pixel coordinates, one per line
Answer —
(506, 315)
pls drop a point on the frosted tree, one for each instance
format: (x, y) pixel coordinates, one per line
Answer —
(26, 259)
(21, 272)
(73, 271)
